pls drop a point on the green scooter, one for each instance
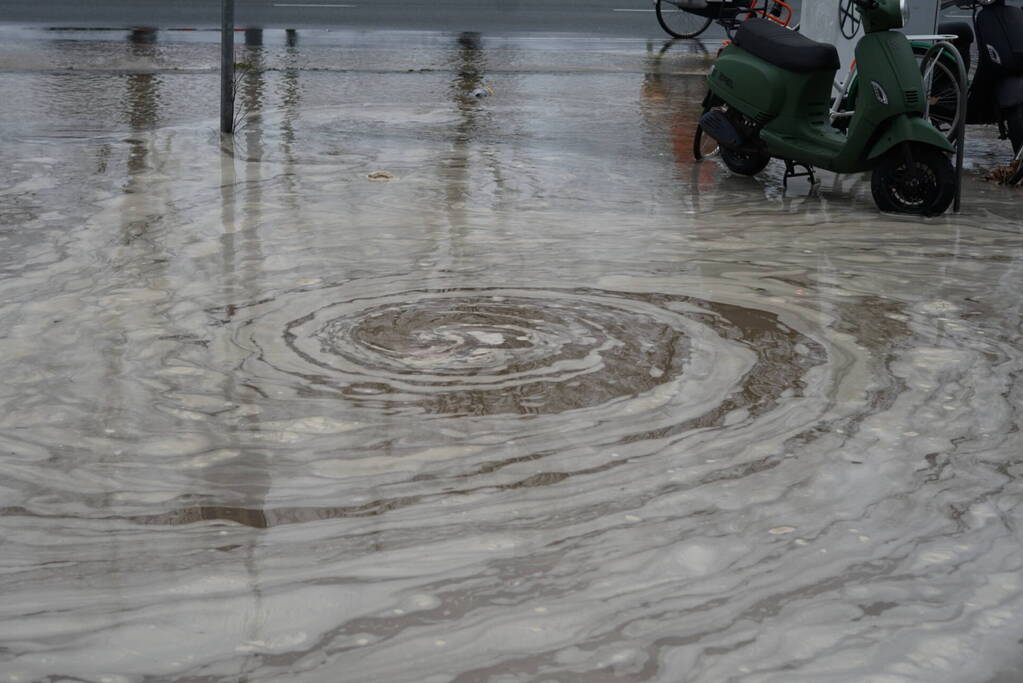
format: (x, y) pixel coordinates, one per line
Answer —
(770, 91)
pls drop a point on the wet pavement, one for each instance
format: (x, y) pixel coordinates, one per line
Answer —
(543, 400)
(607, 17)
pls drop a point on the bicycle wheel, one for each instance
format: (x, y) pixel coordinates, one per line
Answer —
(678, 22)
(703, 144)
(943, 97)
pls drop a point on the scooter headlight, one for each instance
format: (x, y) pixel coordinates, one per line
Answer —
(985, 3)
(904, 9)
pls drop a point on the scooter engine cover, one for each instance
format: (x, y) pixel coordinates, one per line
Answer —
(717, 124)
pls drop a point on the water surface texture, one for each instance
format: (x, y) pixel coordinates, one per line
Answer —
(541, 400)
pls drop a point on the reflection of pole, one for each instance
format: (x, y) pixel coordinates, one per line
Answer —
(227, 66)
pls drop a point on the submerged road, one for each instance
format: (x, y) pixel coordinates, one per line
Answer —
(405, 384)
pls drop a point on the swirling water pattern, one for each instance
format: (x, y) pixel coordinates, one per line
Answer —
(553, 404)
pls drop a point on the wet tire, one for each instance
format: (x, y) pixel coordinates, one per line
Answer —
(925, 190)
(744, 163)
(1014, 124)
(679, 23)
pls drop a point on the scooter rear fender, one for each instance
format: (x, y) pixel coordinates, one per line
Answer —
(905, 128)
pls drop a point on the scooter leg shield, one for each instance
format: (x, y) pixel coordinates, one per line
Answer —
(1009, 91)
(905, 128)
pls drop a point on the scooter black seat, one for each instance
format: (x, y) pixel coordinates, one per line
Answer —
(785, 48)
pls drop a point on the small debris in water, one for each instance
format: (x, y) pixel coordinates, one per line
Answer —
(1001, 174)
(779, 530)
(381, 176)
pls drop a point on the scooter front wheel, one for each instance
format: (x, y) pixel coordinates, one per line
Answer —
(925, 188)
(744, 163)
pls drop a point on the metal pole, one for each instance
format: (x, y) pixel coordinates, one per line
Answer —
(934, 54)
(961, 133)
(227, 66)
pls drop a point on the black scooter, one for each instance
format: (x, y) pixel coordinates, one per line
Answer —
(996, 91)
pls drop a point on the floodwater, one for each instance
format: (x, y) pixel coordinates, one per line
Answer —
(543, 401)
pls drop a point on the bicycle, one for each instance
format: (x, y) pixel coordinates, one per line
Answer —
(690, 18)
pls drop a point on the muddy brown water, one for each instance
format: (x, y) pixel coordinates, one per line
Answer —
(551, 402)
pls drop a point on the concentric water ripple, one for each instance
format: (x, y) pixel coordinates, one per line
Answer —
(552, 405)
(521, 351)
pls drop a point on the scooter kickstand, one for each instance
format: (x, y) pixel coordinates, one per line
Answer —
(790, 172)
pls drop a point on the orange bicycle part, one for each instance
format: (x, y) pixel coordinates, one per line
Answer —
(777, 11)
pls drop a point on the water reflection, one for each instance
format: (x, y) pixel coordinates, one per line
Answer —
(469, 64)
(290, 98)
(677, 97)
(253, 37)
(142, 98)
(520, 414)
(249, 92)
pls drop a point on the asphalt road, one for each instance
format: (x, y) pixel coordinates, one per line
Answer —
(610, 17)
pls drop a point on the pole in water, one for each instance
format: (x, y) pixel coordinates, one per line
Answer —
(227, 66)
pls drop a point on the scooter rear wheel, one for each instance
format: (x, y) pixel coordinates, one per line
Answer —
(744, 163)
(926, 189)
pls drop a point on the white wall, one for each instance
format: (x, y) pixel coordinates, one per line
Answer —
(822, 21)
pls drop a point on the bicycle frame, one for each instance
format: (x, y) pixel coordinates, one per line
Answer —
(773, 10)
(778, 11)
